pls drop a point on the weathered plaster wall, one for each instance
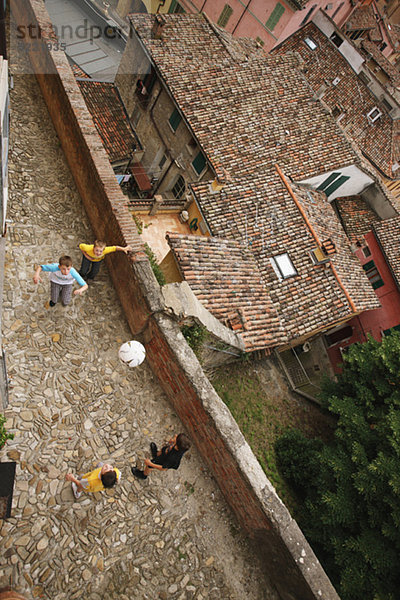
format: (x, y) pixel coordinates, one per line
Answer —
(288, 557)
(151, 121)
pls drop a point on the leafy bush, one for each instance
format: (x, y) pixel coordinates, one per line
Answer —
(194, 335)
(154, 265)
(4, 435)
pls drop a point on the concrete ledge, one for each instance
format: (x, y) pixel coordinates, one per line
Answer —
(289, 560)
(183, 303)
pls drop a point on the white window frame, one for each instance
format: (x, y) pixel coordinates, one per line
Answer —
(374, 118)
(283, 266)
(310, 43)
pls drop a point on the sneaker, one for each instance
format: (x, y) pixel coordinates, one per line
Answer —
(75, 490)
(153, 449)
(51, 303)
(138, 473)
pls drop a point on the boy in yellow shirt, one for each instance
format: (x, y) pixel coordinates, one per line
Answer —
(93, 254)
(104, 476)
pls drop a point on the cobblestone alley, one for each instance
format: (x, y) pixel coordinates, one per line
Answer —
(73, 402)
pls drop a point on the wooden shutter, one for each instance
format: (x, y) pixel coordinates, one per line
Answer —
(275, 16)
(175, 119)
(199, 163)
(225, 16)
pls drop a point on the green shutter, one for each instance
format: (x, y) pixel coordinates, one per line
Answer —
(172, 6)
(175, 119)
(373, 275)
(327, 181)
(199, 163)
(225, 16)
(336, 184)
(275, 16)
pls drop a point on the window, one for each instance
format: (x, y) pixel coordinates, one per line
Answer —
(176, 7)
(275, 16)
(336, 111)
(332, 183)
(135, 118)
(374, 114)
(310, 43)
(283, 266)
(364, 78)
(179, 188)
(308, 15)
(340, 335)
(366, 251)
(225, 16)
(373, 274)
(387, 105)
(174, 120)
(318, 256)
(199, 163)
(162, 161)
(336, 39)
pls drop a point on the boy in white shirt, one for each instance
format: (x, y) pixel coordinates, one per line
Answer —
(62, 277)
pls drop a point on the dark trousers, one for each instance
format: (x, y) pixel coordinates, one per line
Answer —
(89, 269)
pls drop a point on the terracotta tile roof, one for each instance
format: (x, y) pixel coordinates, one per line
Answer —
(362, 18)
(391, 71)
(271, 225)
(357, 217)
(250, 111)
(378, 141)
(388, 235)
(109, 116)
(225, 278)
(247, 109)
(77, 70)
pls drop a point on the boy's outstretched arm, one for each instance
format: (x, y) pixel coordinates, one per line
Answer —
(125, 249)
(36, 277)
(81, 290)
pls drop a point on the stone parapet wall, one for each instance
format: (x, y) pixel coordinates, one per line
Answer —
(289, 560)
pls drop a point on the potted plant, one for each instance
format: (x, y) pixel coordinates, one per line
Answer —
(4, 435)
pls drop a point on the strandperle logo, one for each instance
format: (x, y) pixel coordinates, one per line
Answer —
(84, 31)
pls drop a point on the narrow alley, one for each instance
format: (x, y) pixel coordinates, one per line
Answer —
(73, 403)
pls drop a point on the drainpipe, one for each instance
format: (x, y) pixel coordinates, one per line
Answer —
(241, 16)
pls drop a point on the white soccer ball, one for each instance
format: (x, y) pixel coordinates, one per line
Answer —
(132, 353)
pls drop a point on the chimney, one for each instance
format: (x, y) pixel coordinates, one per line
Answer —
(158, 25)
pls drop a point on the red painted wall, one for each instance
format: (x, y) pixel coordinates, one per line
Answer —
(250, 17)
(375, 321)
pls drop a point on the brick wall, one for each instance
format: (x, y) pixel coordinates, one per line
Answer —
(289, 561)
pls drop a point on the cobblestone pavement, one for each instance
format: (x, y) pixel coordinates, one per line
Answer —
(73, 402)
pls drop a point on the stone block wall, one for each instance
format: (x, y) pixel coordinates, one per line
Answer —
(289, 559)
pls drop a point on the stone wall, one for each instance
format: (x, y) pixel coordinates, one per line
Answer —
(289, 560)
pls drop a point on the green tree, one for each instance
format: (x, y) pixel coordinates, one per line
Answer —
(350, 502)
